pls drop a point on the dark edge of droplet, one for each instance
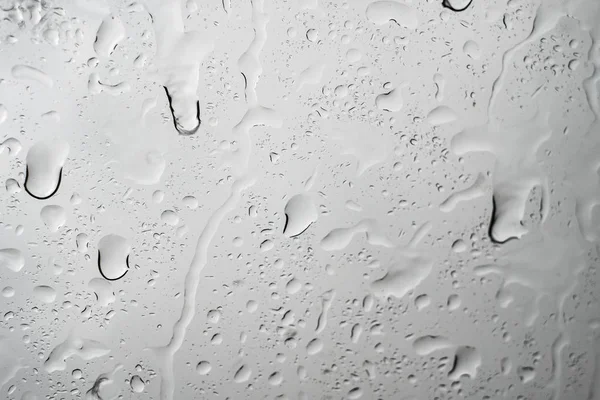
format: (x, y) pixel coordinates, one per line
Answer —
(245, 84)
(454, 364)
(388, 93)
(305, 229)
(176, 124)
(287, 220)
(33, 195)
(446, 4)
(114, 279)
(543, 206)
(491, 225)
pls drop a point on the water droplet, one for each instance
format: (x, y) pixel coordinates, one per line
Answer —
(12, 259)
(312, 35)
(355, 393)
(54, 217)
(471, 49)
(353, 56)
(82, 241)
(383, 11)
(8, 292)
(190, 202)
(467, 361)
(293, 286)
(203, 368)
(137, 384)
(251, 306)
(44, 168)
(300, 213)
(314, 346)
(158, 196)
(12, 186)
(103, 291)
(441, 115)
(169, 217)
(110, 33)
(275, 379)
(459, 246)
(13, 145)
(391, 101)
(113, 257)
(45, 294)
(242, 374)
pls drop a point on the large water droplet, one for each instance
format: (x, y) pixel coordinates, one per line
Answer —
(300, 213)
(113, 257)
(44, 167)
(12, 259)
(384, 11)
(45, 294)
(467, 360)
(110, 33)
(53, 217)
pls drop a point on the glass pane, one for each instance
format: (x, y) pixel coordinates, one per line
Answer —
(311, 199)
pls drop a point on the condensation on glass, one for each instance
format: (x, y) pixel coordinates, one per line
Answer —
(303, 199)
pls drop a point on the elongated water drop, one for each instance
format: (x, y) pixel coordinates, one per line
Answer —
(113, 257)
(44, 168)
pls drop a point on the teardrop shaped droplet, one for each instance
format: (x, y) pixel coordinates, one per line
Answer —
(44, 165)
(113, 257)
(300, 213)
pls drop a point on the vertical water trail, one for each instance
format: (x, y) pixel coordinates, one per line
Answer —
(179, 55)
(588, 13)
(250, 68)
(555, 381)
(590, 84)
(586, 178)
(594, 390)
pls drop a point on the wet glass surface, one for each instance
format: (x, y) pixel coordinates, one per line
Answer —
(302, 199)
